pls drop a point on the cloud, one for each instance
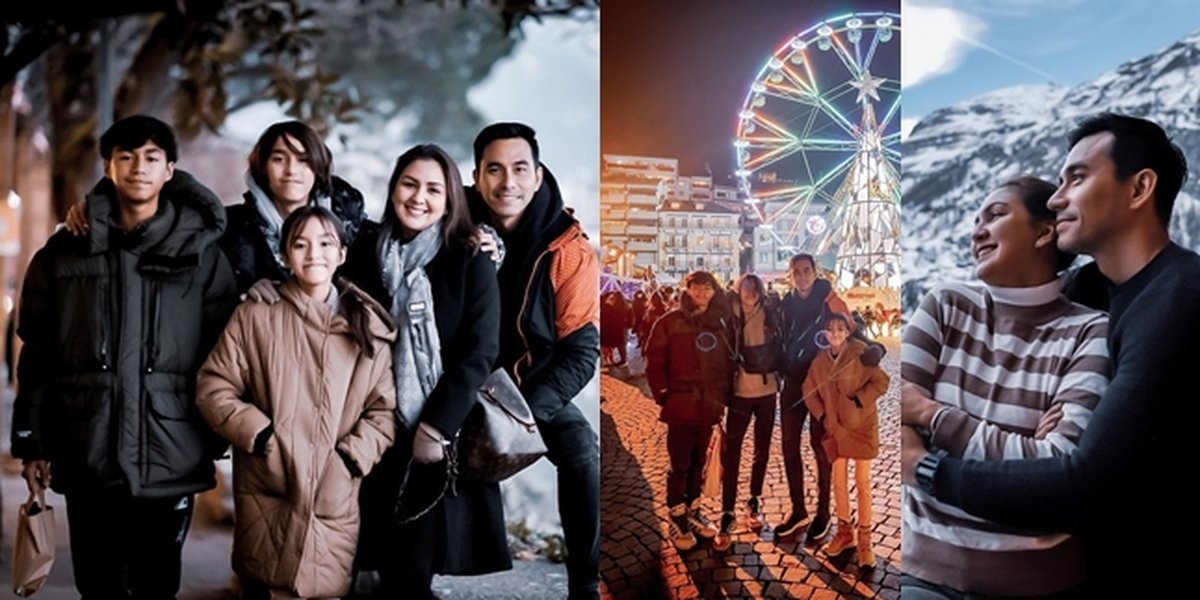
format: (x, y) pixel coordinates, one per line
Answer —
(906, 126)
(935, 41)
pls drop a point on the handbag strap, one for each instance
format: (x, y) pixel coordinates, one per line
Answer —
(450, 483)
(524, 418)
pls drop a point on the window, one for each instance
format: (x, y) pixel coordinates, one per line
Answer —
(699, 261)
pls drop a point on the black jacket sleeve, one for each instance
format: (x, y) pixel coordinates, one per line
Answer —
(468, 359)
(35, 326)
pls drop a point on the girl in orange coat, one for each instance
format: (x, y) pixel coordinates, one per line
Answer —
(842, 392)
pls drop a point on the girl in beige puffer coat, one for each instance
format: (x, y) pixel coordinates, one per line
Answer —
(303, 389)
(842, 392)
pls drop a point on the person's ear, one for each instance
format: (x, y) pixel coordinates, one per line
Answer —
(1047, 235)
(1145, 183)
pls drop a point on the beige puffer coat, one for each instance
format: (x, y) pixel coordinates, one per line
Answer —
(845, 392)
(294, 366)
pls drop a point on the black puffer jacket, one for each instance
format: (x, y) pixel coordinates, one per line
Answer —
(247, 250)
(115, 326)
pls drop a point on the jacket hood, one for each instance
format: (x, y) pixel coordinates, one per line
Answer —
(190, 218)
(316, 313)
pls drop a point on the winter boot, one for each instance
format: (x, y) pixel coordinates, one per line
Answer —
(842, 540)
(866, 553)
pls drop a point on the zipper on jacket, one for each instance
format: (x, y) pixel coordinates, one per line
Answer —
(105, 294)
(528, 356)
(152, 345)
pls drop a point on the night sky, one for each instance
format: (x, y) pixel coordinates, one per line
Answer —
(674, 73)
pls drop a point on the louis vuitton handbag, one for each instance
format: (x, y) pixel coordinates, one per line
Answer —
(500, 437)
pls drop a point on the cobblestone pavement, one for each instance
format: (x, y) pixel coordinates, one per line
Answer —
(636, 559)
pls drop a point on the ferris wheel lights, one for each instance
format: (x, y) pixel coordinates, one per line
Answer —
(854, 35)
(885, 35)
(799, 44)
(796, 58)
(775, 64)
(824, 44)
(746, 115)
(758, 88)
(883, 22)
(854, 23)
(742, 173)
(741, 144)
(825, 31)
(759, 101)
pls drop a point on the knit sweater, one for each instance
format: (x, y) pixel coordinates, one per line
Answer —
(999, 358)
(1142, 428)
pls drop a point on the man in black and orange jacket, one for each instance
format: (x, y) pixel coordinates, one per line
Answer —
(550, 324)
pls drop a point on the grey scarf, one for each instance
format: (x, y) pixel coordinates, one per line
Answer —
(271, 224)
(417, 352)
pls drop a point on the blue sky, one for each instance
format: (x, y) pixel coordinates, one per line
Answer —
(957, 49)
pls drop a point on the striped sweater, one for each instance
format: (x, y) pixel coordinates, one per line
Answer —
(999, 358)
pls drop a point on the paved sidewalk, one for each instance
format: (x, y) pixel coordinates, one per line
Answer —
(207, 574)
(638, 562)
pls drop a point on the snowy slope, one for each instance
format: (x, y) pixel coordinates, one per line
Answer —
(954, 156)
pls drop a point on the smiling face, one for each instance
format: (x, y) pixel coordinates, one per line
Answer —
(1006, 241)
(289, 175)
(419, 199)
(507, 178)
(803, 275)
(140, 173)
(1089, 201)
(838, 332)
(313, 255)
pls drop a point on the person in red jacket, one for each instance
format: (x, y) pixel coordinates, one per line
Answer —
(689, 367)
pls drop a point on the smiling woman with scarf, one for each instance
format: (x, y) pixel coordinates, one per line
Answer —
(442, 293)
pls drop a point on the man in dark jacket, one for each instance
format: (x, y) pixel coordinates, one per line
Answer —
(690, 361)
(803, 311)
(115, 325)
(549, 328)
(1114, 202)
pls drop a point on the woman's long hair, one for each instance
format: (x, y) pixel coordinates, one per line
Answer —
(312, 147)
(352, 306)
(457, 221)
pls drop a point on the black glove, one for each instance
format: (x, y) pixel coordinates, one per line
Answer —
(873, 354)
(260, 440)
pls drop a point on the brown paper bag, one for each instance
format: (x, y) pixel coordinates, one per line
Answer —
(712, 465)
(33, 549)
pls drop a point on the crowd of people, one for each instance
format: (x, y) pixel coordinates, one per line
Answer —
(741, 355)
(341, 380)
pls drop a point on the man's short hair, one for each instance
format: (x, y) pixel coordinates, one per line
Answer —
(133, 132)
(504, 131)
(802, 256)
(1140, 144)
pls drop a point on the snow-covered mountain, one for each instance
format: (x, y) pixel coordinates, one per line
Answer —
(954, 156)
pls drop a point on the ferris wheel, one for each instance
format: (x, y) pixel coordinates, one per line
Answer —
(817, 144)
